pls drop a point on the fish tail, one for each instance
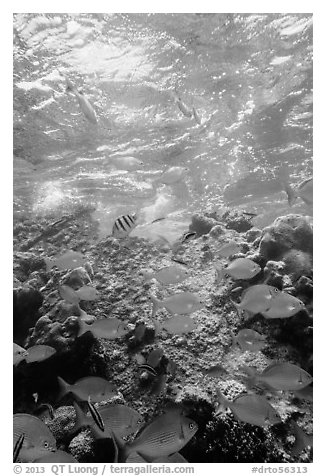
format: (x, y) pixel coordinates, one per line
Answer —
(289, 191)
(81, 419)
(219, 274)
(64, 388)
(251, 380)
(83, 327)
(237, 307)
(156, 305)
(223, 403)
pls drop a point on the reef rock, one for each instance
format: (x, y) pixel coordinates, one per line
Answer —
(27, 302)
(201, 224)
(286, 233)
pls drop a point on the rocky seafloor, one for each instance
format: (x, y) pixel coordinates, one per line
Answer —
(284, 252)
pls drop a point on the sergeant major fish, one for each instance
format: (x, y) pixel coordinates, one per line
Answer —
(124, 225)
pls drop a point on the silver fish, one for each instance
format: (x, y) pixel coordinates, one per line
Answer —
(228, 249)
(69, 260)
(168, 275)
(38, 353)
(104, 328)
(97, 388)
(180, 303)
(256, 299)
(249, 339)
(184, 109)
(83, 102)
(282, 306)
(196, 117)
(178, 325)
(19, 354)
(37, 437)
(279, 376)
(240, 268)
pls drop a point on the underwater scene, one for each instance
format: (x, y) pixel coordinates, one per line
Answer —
(162, 238)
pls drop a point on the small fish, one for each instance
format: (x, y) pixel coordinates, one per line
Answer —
(154, 357)
(159, 385)
(190, 235)
(196, 117)
(168, 275)
(165, 435)
(68, 294)
(58, 456)
(87, 293)
(111, 328)
(178, 325)
(95, 414)
(302, 440)
(180, 303)
(124, 225)
(282, 306)
(279, 376)
(127, 163)
(214, 371)
(148, 368)
(304, 191)
(228, 249)
(174, 458)
(250, 408)
(97, 388)
(173, 175)
(38, 353)
(183, 108)
(18, 446)
(249, 339)
(38, 438)
(83, 102)
(69, 260)
(19, 354)
(240, 268)
(257, 298)
(305, 393)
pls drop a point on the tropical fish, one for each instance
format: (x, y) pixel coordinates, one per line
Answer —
(68, 294)
(58, 456)
(37, 353)
(37, 437)
(95, 414)
(189, 235)
(87, 293)
(121, 419)
(173, 175)
(249, 339)
(302, 440)
(304, 191)
(183, 108)
(124, 225)
(111, 328)
(165, 435)
(240, 268)
(279, 376)
(257, 298)
(19, 354)
(97, 388)
(126, 163)
(154, 357)
(168, 275)
(228, 249)
(178, 325)
(159, 385)
(196, 117)
(18, 446)
(174, 458)
(83, 102)
(283, 305)
(250, 408)
(214, 371)
(305, 393)
(148, 368)
(69, 260)
(180, 303)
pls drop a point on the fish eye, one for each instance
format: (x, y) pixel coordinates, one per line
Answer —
(276, 290)
(140, 421)
(191, 426)
(46, 444)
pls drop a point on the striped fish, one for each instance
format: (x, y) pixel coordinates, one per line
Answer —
(95, 414)
(148, 369)
(18, 446)
(124, 225)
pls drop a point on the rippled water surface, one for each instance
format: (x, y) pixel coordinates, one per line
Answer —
(248, 76)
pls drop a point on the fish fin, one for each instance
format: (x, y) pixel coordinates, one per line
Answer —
(136, 458)
(291, 194)
(82, 420)
(252, 376)
(302, 440)
(156, 304)
(219, 274)
(237, 307)
(83, 327)
(64, 388)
